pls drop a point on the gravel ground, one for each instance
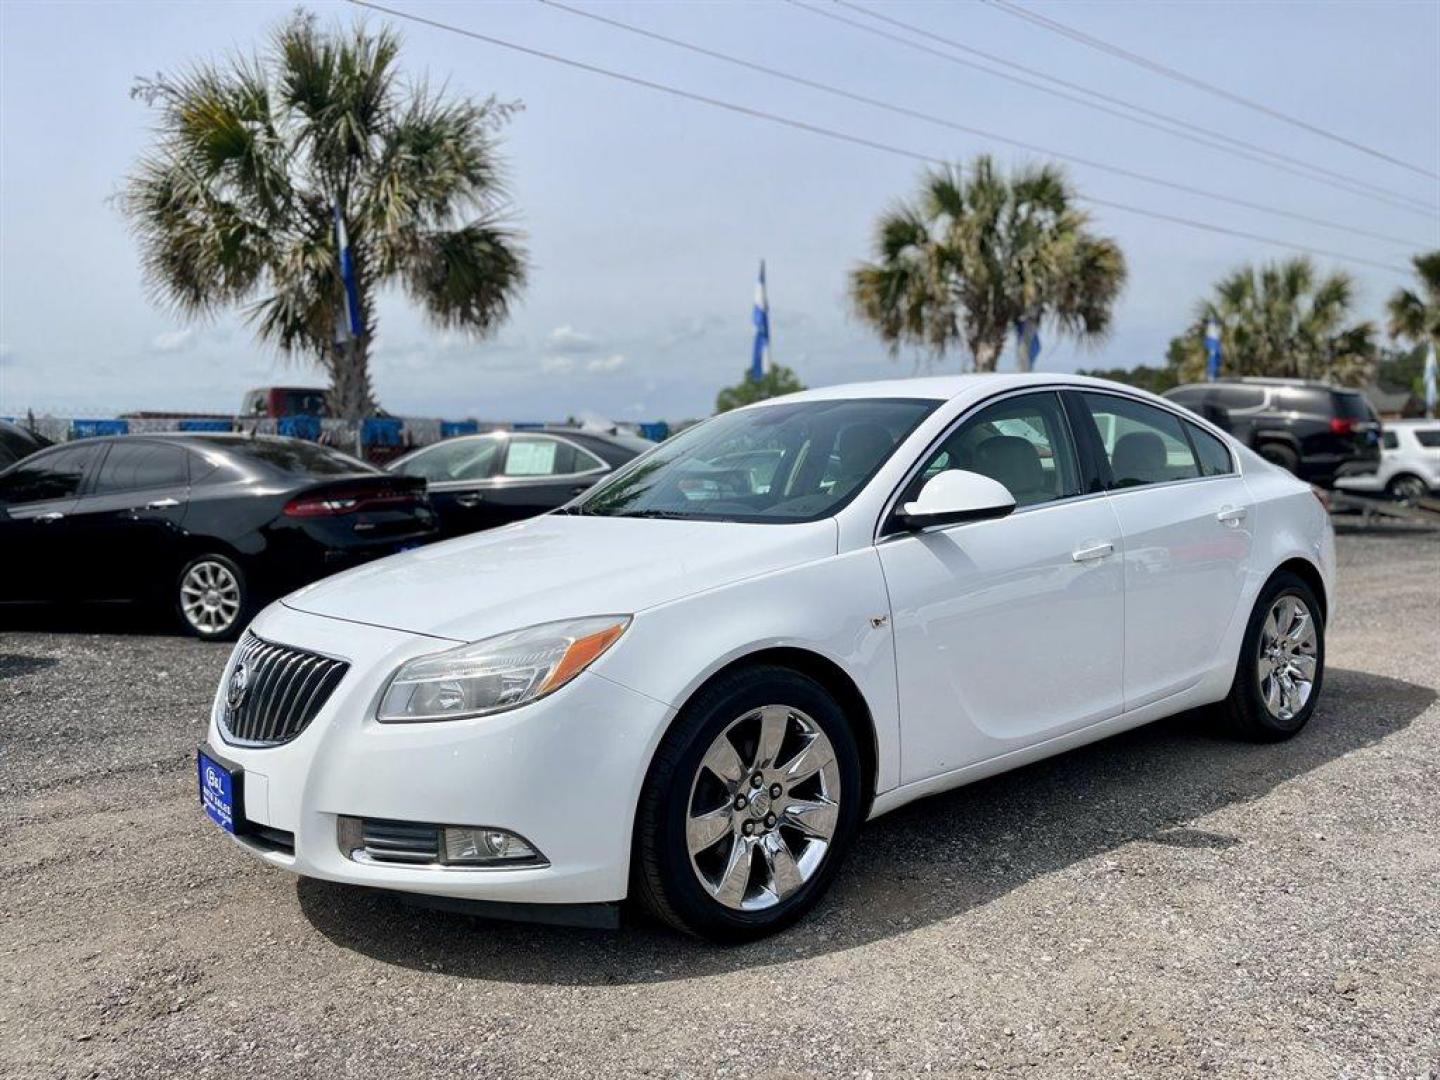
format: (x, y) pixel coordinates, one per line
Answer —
(1163, 903)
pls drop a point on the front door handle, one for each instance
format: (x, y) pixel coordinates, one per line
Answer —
(468, 500)
(1231, 515)
(53, 515)
(162, 504)
(1091, 552)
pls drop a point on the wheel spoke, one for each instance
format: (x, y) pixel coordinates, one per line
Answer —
(704, 831)
(1304, 665)
(815, 818)
(724, 762)
(730, 890)
(1265, 668)
(780, 864)
(814, 756)
(774, 722)
(1300, 630)
(1271, 689)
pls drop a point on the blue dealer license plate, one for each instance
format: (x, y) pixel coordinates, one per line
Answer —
(217, 791)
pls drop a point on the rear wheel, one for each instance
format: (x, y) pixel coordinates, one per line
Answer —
(1282, 663)
(1279, 454)
(751, 802)
(1407, 488)
(212, 598)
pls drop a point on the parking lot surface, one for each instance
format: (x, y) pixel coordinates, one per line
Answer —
(1167, 902)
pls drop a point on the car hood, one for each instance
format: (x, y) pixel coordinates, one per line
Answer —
(557, 566)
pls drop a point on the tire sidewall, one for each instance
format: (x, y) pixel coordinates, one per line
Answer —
(697, 729)
(233, 630)
(1280, 455)
(1247, 684)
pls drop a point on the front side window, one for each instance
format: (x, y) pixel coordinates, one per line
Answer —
(1143, 444)
(56, 475)
(786, 462)
(138, 466)
(1022, 442)
(460, 459)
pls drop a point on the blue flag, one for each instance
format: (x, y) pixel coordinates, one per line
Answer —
(1028, 340)
(760, 354)
(349, 326)
(1212, 350)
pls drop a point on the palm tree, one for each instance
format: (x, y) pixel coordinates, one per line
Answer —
(255, 162)
(974, 258)
(1415, 317)
(1282, 319)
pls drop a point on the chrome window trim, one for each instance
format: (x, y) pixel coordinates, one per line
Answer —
(1178, 411)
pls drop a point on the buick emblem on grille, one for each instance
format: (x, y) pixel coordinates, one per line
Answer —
(235, 689)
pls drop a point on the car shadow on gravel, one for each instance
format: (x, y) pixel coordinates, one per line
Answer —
(929, 861)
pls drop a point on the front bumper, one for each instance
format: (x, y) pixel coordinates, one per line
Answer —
(563, 772)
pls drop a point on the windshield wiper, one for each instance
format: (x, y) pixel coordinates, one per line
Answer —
(674, 514)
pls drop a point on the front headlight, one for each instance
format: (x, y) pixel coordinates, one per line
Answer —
(498, 673)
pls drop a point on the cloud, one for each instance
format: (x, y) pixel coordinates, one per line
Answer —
(568, 340)
(605, 364)
(172, 340)
(556, 365)
(7, 355)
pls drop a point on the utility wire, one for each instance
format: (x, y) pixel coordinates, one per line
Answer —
(841, 136)
(1056, 27)
(1196, 133)
(902, 110)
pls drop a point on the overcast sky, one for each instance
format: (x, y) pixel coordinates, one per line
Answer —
(646, 215)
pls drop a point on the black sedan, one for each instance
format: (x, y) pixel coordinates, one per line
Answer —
(480, 481)
(17, 442)
(207, 525)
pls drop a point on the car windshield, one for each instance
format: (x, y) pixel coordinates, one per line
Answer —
(786, 462)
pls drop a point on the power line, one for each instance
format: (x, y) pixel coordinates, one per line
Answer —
(902, 110)
(842, 136)
(1182, 129)
(1054, 26)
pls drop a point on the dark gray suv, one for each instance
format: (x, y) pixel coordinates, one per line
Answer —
(1318, 431)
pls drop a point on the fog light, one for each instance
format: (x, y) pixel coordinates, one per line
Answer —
(469, 846)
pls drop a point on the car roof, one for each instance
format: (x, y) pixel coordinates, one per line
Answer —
(945, 387)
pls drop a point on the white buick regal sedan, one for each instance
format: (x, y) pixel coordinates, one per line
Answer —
(691, 685)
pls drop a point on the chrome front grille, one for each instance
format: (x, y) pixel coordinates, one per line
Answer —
(274, 691)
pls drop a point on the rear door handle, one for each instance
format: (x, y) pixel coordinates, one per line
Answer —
(162, 504)
(1231, 515)
(468, 500)
(1092, 551)
(53, 515)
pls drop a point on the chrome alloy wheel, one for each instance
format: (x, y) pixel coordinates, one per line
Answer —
(210, 597)
(763, 808)
(1287, 662)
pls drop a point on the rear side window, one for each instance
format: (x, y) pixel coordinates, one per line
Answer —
(1143, 444)
(138, 466)
(50, 476)
(539, 456)
(1352, 406)
(1240, 397)
(1213, 454)
(1430, 438)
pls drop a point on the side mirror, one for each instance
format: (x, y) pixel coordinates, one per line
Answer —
(956, 495)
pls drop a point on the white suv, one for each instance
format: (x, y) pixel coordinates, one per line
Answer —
(1409, 462)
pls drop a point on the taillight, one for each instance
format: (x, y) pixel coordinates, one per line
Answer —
(324, 504)
(1321, 496)
(1342, 425)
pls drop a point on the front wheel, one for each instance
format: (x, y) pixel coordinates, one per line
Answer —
(1282, 663)
(211, 598)
(751, 802)
(1280, 455)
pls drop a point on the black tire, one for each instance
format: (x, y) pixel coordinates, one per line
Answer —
(1282, 455)
(1406, 488)
(227, 631)
(1245, 710)
(663, 877)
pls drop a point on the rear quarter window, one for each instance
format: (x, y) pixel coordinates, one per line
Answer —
(1429, 438)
